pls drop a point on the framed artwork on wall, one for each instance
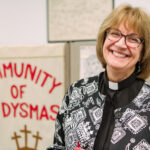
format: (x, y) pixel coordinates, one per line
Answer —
(73, 20)
(83, 60)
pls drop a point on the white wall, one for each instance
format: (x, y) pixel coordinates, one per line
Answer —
(137, 3)
(23, 22)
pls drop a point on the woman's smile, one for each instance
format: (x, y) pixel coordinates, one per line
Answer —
(118, 55)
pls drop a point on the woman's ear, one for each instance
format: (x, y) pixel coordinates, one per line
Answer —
(142, 54)
(138, 67)
(140, 57)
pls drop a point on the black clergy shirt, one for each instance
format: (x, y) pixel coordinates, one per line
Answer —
(117, 95)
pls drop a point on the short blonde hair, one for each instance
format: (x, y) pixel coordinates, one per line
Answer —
(133, 18)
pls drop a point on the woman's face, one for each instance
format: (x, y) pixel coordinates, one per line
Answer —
(119, 56)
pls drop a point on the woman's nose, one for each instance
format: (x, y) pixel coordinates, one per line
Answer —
(122, 42)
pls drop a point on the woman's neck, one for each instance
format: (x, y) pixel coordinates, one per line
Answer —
(117, 76)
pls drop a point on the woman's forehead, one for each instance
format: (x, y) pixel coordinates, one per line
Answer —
(127, 26)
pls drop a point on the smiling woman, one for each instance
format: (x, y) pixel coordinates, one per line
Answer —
(111, 111)
(136, 25)
(121, 54)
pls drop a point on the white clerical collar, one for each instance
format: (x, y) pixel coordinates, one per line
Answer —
(113, 85)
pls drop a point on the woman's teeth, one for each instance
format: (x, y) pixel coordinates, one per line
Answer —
(118, 54)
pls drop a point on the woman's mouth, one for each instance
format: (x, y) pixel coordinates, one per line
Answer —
(119, 54)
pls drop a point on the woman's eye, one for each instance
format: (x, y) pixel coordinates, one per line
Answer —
(115, 33)
(134, 39)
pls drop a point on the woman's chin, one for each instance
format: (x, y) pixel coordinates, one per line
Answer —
(116, 67)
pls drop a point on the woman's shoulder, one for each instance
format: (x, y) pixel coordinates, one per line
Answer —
(86, 81)
(147, 84)
(78, 91)
(84, 86)
(145, 91)
(143, 96)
